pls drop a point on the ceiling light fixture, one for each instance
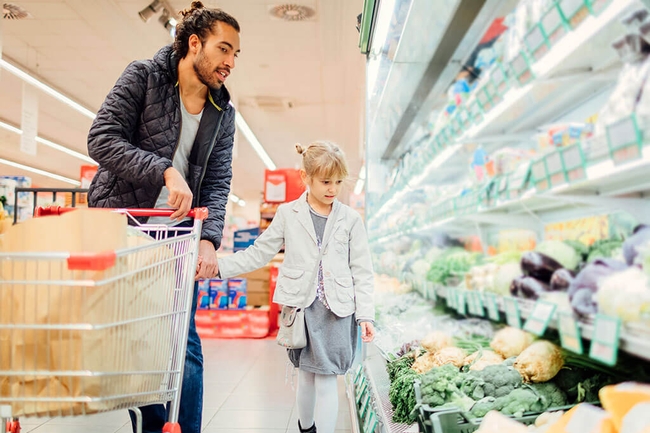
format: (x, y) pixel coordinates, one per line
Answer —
(147, 13)
(254, 142)
(236, 200)
(51, 144)
(168, 22)
(39, 171)
(26, 77)
(291, 12)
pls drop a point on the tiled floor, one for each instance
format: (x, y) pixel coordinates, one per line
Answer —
(245, 392)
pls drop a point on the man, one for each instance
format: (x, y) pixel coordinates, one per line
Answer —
(163, 138)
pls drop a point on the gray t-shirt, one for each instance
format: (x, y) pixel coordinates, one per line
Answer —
(319, 227)
(189, 128)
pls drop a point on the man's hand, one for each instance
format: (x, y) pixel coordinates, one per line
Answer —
(367, 332)
(207, 266)
(180, 195)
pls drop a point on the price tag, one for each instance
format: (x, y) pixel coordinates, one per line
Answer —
(357, 374)
(535, 37)
(370, 423)
(573, 160)
(605, 341)
(569, 332)
(624, 140)
(451, 298)
(539, 175)
(476, 304)
(552, 20)
(432, 291)
(482, 97)
(464, 117)
(571, 7)
(540, 318)
(497, 76)
(492, 307)
(461, 307)
(365, 404)
(519, 64)
(513, 318)
(361, 392)
(553, 163)
(491, 89)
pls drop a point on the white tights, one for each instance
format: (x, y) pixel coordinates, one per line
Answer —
(318, 400)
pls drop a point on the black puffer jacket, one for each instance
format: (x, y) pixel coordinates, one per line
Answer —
(135, 136)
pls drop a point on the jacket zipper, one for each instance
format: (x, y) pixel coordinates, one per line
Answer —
(207, 159)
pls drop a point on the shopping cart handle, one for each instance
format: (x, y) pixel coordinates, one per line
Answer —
(199, 213)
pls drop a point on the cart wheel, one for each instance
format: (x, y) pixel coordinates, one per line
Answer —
(172, 428)
(13, 426)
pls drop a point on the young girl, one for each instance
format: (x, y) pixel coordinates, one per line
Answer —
(338, 299)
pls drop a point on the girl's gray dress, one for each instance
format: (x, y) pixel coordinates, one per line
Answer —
(331, 340)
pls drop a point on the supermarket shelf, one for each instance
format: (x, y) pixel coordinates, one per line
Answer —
(634, 339)
(352, 395)
(375, 369)
(602, 189)
(569, 74)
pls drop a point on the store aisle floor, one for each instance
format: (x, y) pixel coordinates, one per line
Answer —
(245, 392)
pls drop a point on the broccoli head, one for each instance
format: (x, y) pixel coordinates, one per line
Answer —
(440, 384)
(493, 381)
(519, 401)
(551, 394)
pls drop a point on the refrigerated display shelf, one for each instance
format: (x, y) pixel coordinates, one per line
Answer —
(634, 338)
(603, 183)
(567, 75)
(375, 370)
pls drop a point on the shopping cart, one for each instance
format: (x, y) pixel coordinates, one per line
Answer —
(87, 333)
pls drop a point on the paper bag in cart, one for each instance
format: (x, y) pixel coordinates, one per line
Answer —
(82, 335)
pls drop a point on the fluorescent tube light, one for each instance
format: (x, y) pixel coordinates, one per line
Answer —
(45, 88)
(39, 171)
(358, 188)
(236, 200)
(242, 203)
(51, 144)
(254, 142)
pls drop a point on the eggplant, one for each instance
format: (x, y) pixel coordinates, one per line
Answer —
(528, 288)
(539, 266)
(561, 280)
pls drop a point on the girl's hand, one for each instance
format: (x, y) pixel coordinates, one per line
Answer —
(367, 332)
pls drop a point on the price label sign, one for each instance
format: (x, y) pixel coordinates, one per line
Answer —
(451, 298)
(540, 318)
(357, 374)
(370, 423)
(483, 98)
(552, 20)
(624, 140)
(461, 306)
(573, 162)
(362, 391)
(513, 317)
(365, 404)
(476, 303)
(432, 291)
(492, 307)
(605, 341)
(534, 38)
(569, 333)
(497, 76)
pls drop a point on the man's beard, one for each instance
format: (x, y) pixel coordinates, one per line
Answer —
(202, 69)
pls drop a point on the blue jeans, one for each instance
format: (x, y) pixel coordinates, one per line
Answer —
(155, 416)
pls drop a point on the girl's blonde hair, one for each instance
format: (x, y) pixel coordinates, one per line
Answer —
(323, 158)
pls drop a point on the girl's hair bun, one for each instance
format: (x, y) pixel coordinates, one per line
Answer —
(300, 149)
(196, 5)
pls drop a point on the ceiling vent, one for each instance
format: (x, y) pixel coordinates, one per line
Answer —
(291, 12)
(267, 103)
(13, 12)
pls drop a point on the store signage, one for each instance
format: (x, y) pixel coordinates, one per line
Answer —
(552, 23)
(536, 42)
(605, 340)
(513, 318)
(29, 120)
(539, 175)
(492, 307)
(540, 318)
(554, 169)
(569, 332)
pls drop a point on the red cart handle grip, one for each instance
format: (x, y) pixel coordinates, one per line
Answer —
(199, 213)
